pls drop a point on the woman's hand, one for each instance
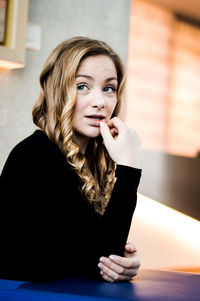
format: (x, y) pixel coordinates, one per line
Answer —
(117, 268)
(122, 143)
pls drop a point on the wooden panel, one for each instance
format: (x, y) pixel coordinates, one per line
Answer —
(189, 8)
(184, 107)
(148, 72)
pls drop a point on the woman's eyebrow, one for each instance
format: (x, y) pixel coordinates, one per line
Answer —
(110, 78)
(83, 75)
(91, 78)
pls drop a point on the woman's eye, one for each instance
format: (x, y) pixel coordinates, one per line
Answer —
(82, 87)
(110, 89)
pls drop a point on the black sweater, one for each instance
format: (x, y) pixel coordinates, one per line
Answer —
(47, 228)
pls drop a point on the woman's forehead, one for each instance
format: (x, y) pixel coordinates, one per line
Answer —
(97, 64)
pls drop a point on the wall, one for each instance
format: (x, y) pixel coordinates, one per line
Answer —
(163, 79)
(172, 180)
(106, 19)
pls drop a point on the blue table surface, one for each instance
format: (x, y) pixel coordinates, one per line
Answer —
(148, 285)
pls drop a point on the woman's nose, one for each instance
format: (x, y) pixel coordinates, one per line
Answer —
(98, 100)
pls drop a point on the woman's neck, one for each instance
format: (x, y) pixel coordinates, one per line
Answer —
(81, 141)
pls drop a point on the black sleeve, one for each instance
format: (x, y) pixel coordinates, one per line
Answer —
(116, 221)
(26, 236)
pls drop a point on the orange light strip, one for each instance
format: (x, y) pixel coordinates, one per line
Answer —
(10, 65)
(182, 226)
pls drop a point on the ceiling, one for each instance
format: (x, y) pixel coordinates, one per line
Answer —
(187, 8)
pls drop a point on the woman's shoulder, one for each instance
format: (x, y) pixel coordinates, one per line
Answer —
(36, 149)
(36, 158)
(38, 140)
(35, 144)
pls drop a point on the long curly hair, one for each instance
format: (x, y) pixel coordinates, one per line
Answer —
(53, 113)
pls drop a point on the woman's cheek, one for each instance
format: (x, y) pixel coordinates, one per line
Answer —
(112, 109)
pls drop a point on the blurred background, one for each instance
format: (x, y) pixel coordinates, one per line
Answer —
(159, 43)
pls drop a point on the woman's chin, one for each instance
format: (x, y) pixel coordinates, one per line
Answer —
(93, 133)
(89, 133)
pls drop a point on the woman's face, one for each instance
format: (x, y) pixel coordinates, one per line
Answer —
(97, 86)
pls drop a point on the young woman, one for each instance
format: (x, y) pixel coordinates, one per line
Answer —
(70, 188)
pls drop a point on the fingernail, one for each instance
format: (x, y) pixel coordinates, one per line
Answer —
(102, 123)
(130, 248)
(102, 260)
(100, 266)
(112, 257)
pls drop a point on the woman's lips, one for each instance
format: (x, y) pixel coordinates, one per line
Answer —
(93, 121)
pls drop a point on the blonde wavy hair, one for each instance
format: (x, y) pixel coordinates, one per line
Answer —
(53, 113)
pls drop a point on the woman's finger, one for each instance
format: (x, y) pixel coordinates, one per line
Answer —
(110, 275)
(111, 269)
(106, 277)
(132, 262)
(130, 247)
(117, 123)
(123, 147)
(105, 132)
(113, 132)
(106, 262)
